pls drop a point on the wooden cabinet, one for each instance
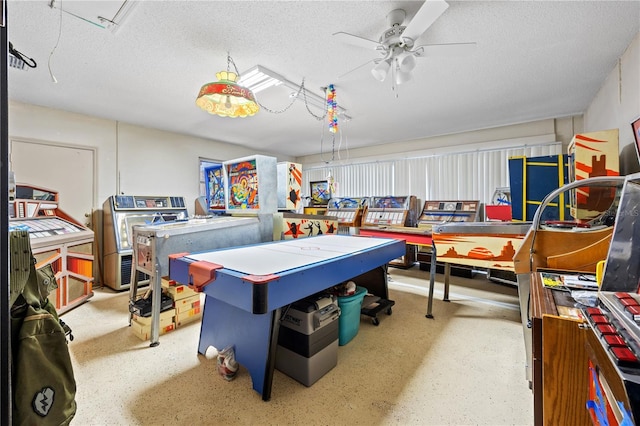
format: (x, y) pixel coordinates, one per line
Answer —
(560, 371)
(72, 262)
(57, 240)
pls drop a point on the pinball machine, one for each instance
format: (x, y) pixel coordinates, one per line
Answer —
(288, 223)
(320, 191)
(439, 212)
(392, 214)
(348, 211)
(613, 346)
(289, 189)
(56, 239)
(215, 197)
(577, 345)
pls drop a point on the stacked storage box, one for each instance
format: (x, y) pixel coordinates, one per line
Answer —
(141, 315)
(141, 326)
(185, 308)
(186, 302)
(308, 339)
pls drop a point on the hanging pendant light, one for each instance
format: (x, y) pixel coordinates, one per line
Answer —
(226, 97)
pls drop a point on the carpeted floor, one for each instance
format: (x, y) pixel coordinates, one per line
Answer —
(464, 367)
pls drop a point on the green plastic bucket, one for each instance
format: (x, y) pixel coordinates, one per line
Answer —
(349, 321)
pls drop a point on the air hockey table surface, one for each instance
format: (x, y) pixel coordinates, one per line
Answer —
(266, 259)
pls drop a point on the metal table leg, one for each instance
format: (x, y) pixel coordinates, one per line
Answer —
(432, 280)
(156, 284)
(447, 274)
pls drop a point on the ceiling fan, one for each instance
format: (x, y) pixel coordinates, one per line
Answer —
(397, 43)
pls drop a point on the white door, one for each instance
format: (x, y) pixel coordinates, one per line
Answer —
(64, 169)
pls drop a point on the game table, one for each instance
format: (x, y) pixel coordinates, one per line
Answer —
(421, 237)
(490, 245)
(246, 287)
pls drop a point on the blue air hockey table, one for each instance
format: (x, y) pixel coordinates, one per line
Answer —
(246, 287)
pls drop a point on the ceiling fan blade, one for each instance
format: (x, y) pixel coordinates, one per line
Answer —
(445, 49)
(357, 40)
(375, 61)
(426, 16)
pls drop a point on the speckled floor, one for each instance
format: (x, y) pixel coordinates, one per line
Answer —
(465, 367)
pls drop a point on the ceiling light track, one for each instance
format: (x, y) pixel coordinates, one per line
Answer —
(260, 78)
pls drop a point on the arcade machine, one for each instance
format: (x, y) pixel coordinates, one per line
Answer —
(591, 155)
(614, 342)
(388, 217)
(349, 211)
(214, 201)
(56, 239)
(289, 186)
(250, 183)
(500, 208)
(320, 195)
(561, 387)
(439, 212)
(500, 211)
(288, 223)
(614, 366)
(394, 213)
(120, 214)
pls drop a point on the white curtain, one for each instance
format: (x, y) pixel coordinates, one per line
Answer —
(470, 175)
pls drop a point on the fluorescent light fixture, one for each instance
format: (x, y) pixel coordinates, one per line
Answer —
(260, 78)
(103, 14)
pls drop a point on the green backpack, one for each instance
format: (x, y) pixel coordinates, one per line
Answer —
(42, 381)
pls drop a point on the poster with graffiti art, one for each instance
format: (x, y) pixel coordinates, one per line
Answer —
(243, 185)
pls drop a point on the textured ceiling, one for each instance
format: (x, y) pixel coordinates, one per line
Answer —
(534, 60)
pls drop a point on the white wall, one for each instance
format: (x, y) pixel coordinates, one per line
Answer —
(617, 103)
(131, 159)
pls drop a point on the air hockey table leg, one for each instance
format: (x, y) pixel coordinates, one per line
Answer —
(254, 338)
(432, 280)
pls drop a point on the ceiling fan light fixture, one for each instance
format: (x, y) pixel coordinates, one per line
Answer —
(407, 63)
(381, 69)
(402, 76)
